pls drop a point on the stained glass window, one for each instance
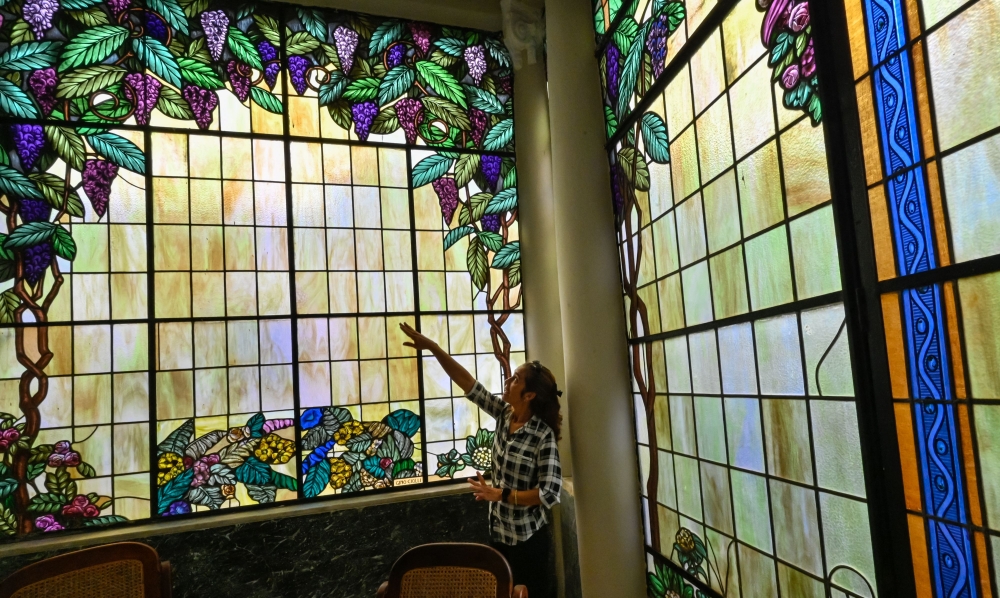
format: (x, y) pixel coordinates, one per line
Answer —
(216, 217)
(932, 160)
(747, 426)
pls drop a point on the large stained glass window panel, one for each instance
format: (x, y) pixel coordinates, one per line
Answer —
(214, 224)
(932, 160)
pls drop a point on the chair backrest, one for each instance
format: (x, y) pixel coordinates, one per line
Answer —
(450, 570)
(122, 570)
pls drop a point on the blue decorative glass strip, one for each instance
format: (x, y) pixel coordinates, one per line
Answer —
(930, 370)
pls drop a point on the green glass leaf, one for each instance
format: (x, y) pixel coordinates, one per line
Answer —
(198, 73)
(385, 122)
(79, 4)
(396, 82)
(443, 60)
(362, 90)
(269, 28)
(68, 145)
(499, 52)
(441, 81)
(430, 169)
(104, 520)
(21, 32)
(29, 235)
(46, 502)
(92, 46)
(478, 203)
(384, 36)
(675, 12)
(301, 42)
(331, 91)
(7, 487)
(507, 255)
(500, 136)
(158, 59)
(177, 440)
(90, 17)
(503, 202)
(316, 479)
(54, 190)
(782, 45)
(173, 490)
(14, 102)
(243, 48)
(253, 471)
(173, 104)
(654, 137)
(466, 168)
(266, 100)
(8, 521)
(634, 167)
(63, 244)
(171, 12)
(81, 83)
(284, 481)
(483, 100)
(313, 21)
(193, 8)
(514, 274)
(456, 234)
(630, 70)
(475, 260)
(448, 112)
(119, 150)
(30, 56)
(451, 46)
(9, 302)
(625, 34)
(491, 240)
(14, 183)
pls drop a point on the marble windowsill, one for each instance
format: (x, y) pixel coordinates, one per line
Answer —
(59, 542)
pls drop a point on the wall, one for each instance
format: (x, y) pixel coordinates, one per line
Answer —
(345, 554)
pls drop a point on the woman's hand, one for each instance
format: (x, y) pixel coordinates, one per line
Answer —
(418, 341)
(484, 491)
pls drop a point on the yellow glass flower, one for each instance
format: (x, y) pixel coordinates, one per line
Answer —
(170, 465)
(274, 449)
(348, 431)
(339, 472)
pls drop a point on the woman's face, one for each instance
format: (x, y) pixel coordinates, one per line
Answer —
(513, 388)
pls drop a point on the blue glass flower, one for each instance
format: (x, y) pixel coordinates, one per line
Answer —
(310, 418)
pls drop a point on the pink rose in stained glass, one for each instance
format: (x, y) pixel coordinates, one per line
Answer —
(798, 17)
(790, 78)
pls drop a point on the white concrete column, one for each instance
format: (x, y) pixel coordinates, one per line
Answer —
(593, 325)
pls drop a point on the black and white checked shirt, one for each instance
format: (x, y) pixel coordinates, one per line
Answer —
(526, 459)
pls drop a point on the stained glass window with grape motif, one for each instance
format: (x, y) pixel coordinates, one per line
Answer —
(215, 218)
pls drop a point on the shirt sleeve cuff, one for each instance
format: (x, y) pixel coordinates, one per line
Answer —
(549, 499)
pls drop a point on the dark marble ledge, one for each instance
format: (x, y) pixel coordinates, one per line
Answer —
(60, 542)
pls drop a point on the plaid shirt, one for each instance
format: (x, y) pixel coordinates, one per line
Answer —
(523, 460)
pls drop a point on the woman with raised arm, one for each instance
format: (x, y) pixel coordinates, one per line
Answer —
(527, 477)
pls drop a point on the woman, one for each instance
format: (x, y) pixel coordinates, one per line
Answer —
(527, 477)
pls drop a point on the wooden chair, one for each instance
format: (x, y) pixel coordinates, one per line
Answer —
(451, 570)
(122, 570)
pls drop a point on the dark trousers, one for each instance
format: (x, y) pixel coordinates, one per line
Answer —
(531, 563)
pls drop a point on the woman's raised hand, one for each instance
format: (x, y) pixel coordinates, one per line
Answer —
(417, 340)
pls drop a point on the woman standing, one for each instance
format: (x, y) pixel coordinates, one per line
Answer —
(527, 477)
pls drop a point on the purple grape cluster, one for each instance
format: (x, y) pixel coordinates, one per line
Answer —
(505, 85)
(396, 54)
(38, 14)
(407, 111)
(346, 41)
(97, 178)
(203, 103)
(155, 27)
(364, 113)
(269, 54)
(421, 36)
(491, 222)
(143, 91)
(491, 169)
(119, 6)
(476, 61)
(36, 260)
(28, 141)
(656, 43)
(297, 66)
(178, 507)
(43, 82)
(34, 210)
(447, 192)
(614, 57)
(202, 470)
(216, 25)
(616, 191)
(239, 78)
(479, 123)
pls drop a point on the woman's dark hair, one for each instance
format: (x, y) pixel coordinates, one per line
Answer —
(545, 405)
